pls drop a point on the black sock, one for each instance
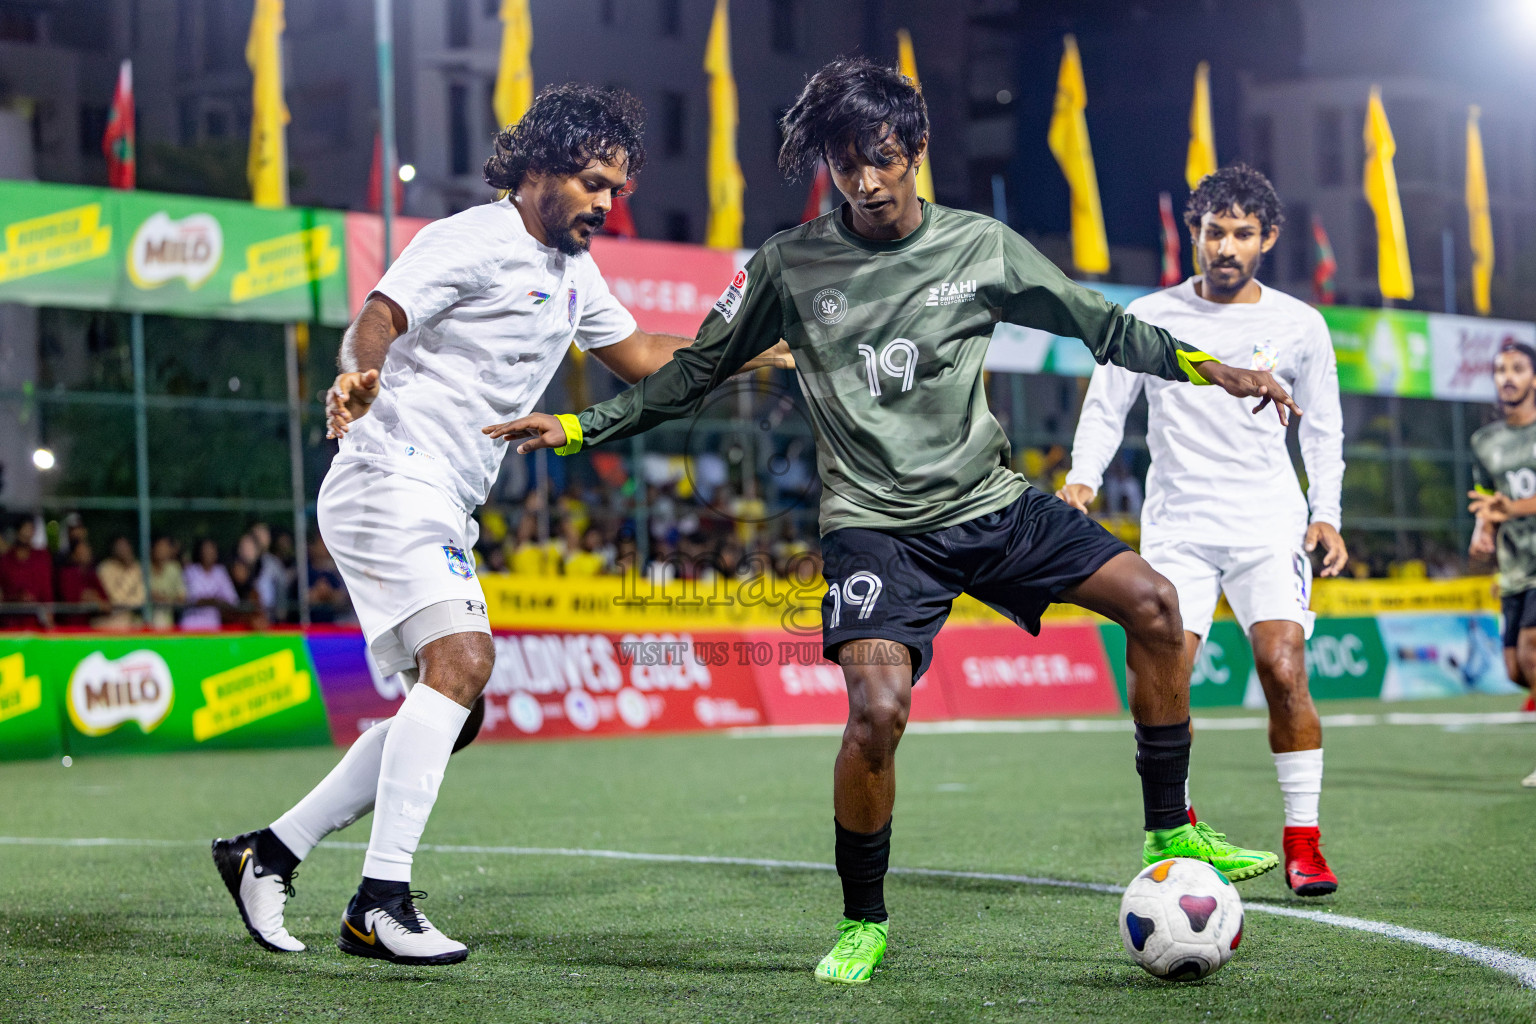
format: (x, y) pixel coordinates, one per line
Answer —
(862, 859)
(377, 890)
(274, 853)
(1162, 761)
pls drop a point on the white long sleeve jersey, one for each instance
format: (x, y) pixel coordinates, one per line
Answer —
(1221, 475)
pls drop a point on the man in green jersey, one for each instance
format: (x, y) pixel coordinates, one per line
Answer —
(1504, 501)
(888, 305)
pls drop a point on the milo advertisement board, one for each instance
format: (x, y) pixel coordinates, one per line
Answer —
(65, 245)
(29, 717)
(134, 693)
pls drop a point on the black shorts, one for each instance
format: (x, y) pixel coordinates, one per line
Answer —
(900, 587)
(1519, 613)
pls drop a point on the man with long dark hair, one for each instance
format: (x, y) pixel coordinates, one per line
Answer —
(1504, 502)
(1224, 513)
(888, 305)
(468, 326)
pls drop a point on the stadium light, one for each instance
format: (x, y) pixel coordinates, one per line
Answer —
(407, 172)
(43, 459)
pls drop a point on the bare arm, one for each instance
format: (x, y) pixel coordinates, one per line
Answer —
(642, 354)
(363, 349)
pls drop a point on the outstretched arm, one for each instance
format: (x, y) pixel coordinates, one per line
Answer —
(642, 354)
(743, 324)
(363, 349)
(1041, 296)
(1100, 428)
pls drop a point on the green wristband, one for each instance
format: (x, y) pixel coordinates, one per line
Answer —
(573, 436)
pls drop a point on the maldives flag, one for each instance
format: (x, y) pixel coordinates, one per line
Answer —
(1171, 274)
(117, 142)
(1325, 268)
(376, 179)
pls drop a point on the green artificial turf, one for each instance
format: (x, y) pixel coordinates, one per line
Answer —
(1426, 826)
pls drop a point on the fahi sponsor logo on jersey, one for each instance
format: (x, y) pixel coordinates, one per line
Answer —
(951, 293)
(730, 299)
(104, 694)
(164, 249)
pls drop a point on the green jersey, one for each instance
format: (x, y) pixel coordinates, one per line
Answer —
(1504, 460)
(889, 340)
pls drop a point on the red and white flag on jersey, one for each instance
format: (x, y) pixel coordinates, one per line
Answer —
(820, 200)
(117, 141)
(1171, 274)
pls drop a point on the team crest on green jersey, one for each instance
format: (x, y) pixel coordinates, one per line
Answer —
(831, 306)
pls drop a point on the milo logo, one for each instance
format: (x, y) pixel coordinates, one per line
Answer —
(164, 249)
(104, 694)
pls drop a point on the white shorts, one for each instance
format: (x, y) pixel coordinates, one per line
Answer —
(1262, 584)
(403, 546)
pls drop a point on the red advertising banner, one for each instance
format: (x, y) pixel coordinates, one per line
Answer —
(566, 684)
(798, 687)
(669, 287)
(1003, 672)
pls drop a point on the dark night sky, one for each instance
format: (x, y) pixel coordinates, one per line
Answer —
(1139, 60)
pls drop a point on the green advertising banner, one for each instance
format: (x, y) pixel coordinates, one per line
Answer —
(90, 248)
(1382, 351)
(29, 710)
(1346, 658)
(158, 694)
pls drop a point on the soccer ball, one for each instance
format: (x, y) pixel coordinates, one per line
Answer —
(1180, 919)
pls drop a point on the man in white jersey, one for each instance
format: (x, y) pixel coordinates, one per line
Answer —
(465, 330)
(1223, 510)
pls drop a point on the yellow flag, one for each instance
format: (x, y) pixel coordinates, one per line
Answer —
(908, 61)
(266, 165)
(1201, 158)
(1392, 269)
(514, 78)
(1479, 224)
(726, 185)
(1068, 139)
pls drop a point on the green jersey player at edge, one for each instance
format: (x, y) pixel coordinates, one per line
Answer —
(888, 305)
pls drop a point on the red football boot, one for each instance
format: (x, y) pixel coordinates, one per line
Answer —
(1306, 872)
(1530, 703)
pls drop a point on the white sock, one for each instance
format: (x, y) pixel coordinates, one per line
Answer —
(415, 754)
(342, 797)
(1301, 783)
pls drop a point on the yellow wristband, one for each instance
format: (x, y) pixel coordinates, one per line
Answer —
(1187, 362)
(573, 436)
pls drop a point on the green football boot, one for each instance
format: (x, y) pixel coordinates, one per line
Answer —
(859, 950)
(1201, 842)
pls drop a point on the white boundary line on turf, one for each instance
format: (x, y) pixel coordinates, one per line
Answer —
(1521, 968)
(1048, 725)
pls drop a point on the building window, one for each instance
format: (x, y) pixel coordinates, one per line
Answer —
(458, 24)
(492, 8)
(1328, 139)
(458, 129)
(1365, 245)
(607, 11)
(215, 124)
(671, 17)
(679, 226)
(1261, 144)
(674, 123)
(782, 36)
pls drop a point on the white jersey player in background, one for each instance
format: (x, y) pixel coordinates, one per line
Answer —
(1224, 512)
(464, 331)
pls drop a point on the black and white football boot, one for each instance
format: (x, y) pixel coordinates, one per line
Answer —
(389, 927)
(259, 888)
